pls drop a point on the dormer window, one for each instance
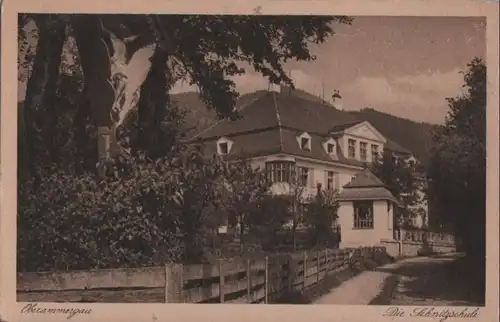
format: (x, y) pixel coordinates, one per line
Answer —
(224, 146)
(304, 144)
(304, 141)
(330, 147)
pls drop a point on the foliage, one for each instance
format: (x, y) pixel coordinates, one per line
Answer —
(159, 200)
(295, 197)
(321, 213)
(245, 187)
(143, 212)
(269, 216)
(458, 168)
(399, 177)
(208, 47)
(71, 222)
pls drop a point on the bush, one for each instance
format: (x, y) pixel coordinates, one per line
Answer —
(143, 213)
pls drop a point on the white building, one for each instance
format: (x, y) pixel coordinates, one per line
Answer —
(291, 135)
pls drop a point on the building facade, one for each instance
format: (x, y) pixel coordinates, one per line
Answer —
(314, 143)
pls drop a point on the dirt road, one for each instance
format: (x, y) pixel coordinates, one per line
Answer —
(415, 281)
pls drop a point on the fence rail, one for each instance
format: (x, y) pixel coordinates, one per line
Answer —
(262, 280)
(421, 236)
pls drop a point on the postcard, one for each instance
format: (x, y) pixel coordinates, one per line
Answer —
(182, 160)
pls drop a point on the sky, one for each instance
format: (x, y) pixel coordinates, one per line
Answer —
(405, 66)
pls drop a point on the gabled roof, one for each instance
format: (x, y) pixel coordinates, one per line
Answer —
(342, 127)
(365, 179)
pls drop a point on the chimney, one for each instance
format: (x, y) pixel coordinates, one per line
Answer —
(335, 99)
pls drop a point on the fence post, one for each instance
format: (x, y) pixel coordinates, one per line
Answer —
(305, 270)
(326, 262)
(173, 283)
(319, 267)
(266, 280)
(249, 282)
(221, 282)
(290, 273)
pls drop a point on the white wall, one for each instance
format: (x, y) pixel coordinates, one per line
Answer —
(318, 174)
(345, 143)
(382, 226)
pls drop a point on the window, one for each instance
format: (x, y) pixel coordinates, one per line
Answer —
(304, 144)
(363, 153)
(279, 171)
(332, 181)
(330, 148)
(363, 215)
(303, 176)
(351, 149)
(223, 148)
(374, 152)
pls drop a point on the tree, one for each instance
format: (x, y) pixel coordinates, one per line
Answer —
(399, 178)
(40, 115)
(458, 167)
(246, 187)
(321, 213)
(267, 218)
(296, 199)
(183, 47)
(201, 48)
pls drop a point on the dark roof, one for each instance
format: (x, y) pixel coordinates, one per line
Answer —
(270, 123)
(366, 186)
(394, 147)
(290, 146)
(377, 193)
(251, 144)
(342, 127)
(253, 117)
(365, 179)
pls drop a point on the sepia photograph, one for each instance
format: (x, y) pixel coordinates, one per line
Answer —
(253, 158)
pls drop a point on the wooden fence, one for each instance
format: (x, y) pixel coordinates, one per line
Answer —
(261, 280)
(420, 236)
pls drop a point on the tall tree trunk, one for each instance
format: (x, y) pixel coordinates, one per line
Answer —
(152, 106)
(94, 51)
(86, 154)
(39, 112)
(106, 50)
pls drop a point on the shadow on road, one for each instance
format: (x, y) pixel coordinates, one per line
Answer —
(437, 280)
